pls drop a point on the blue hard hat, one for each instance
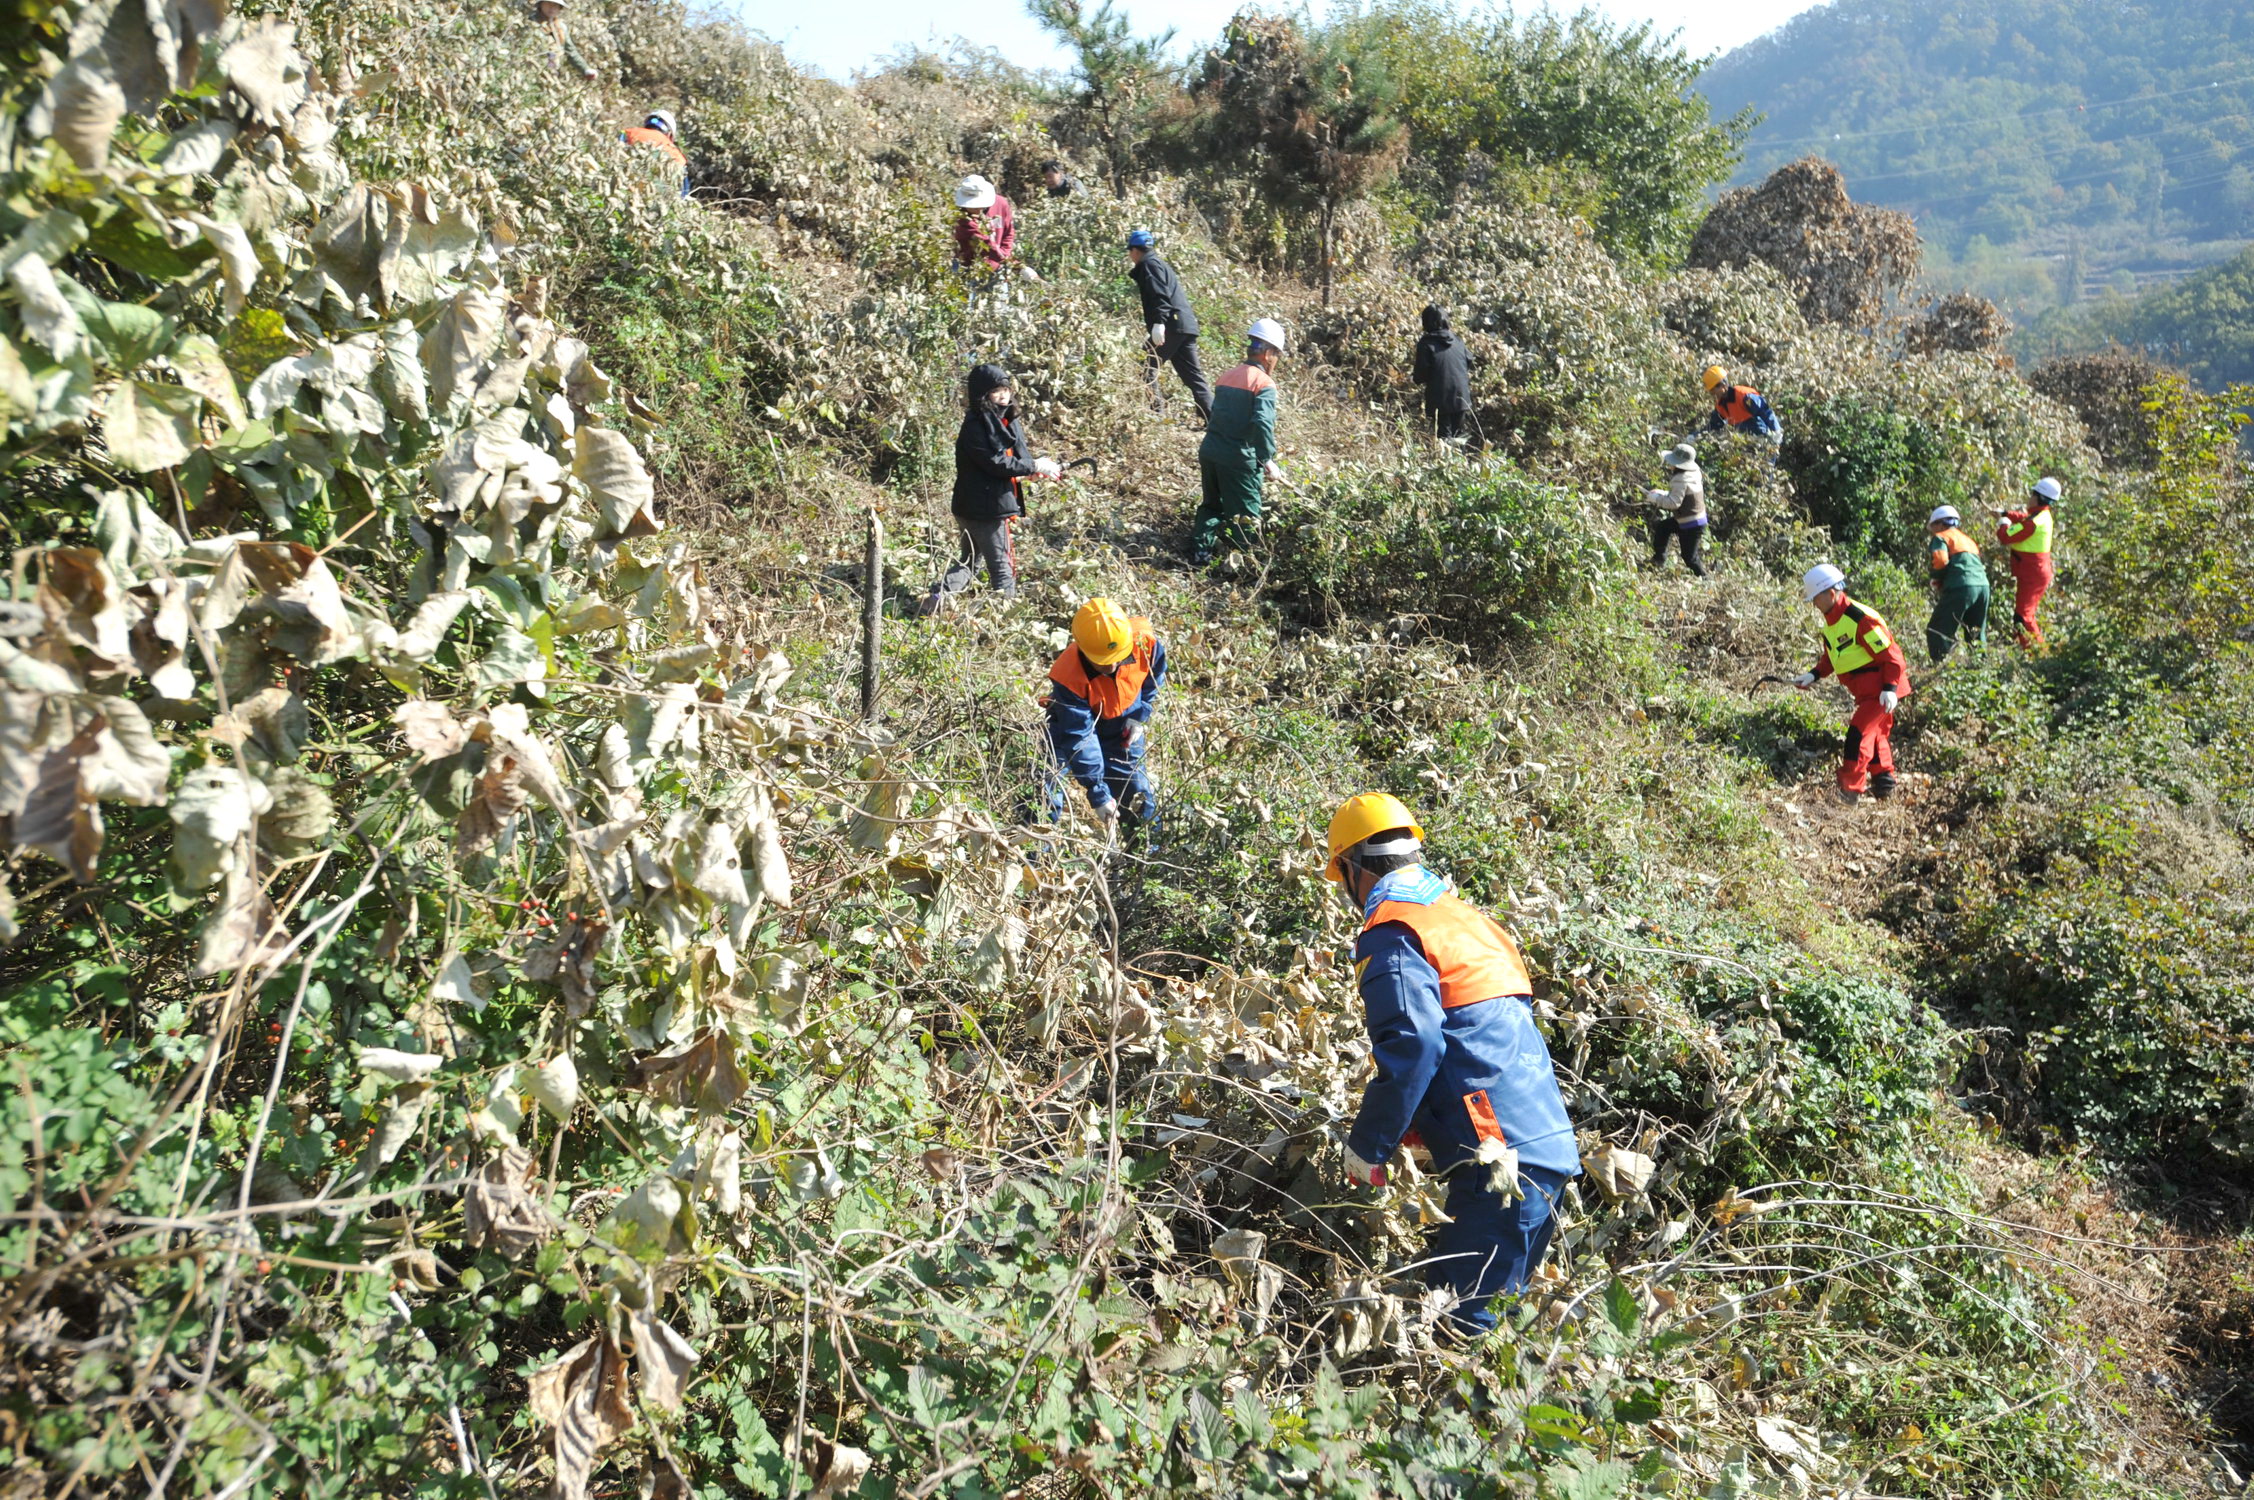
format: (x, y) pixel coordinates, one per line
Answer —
(1140, 239)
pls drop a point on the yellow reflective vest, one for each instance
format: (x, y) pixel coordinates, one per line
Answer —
(1856, 639)
(2037, 527)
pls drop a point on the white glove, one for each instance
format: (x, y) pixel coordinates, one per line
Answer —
(1158, 334)
(1362, 1173)
(1029, 273)
(1804, 681)
(1272, 471)
(1887, 699)
(1108, 813)
(1134, 739)
(1047, 468)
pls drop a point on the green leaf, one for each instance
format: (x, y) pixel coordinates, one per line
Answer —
(132, 243)
(124, 335)
(1620, 1306)
(150, 426)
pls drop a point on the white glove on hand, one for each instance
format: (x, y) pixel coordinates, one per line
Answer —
(1272, 470)
(1804, 681)
(1134, 739)
(1108, 813)
(1047, 468)
(1362, 1173)
(1887, 699)
(1158, 334)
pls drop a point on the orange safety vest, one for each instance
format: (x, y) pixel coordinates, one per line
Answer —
(1731, 404)
(1477, 959)
(1109, 696)
(645, 135)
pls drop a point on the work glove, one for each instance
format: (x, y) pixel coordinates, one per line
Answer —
(1108, 813)
(1804, 681)
(1158, 335)
(1134, 739)
(1887, 698)
(1047, 468)
(1362, 1173)
(1272, 471)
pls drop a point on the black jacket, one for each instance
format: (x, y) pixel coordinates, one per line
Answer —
(1066, 188)
(1163, 301)
(991, 455)
(1443, 368)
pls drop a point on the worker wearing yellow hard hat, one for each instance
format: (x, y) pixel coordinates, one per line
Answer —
(1738, 408)
(1460, 1063)
(1103, 689)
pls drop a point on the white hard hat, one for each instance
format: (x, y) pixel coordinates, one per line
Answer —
(1946, 513)
(1681, 456)
(1818, 578)
(1268, 331)
(974, 191)
(661, 120)
(2050, 489)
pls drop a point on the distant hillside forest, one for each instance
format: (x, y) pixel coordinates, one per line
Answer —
(2050, 151)
(2204, 323)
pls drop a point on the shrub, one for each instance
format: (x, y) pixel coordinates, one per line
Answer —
(1843, 259)
(1474, 556)
(2107, 391)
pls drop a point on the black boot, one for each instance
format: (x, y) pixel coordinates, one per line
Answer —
(1882, 785)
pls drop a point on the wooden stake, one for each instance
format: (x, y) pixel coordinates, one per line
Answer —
(872, 613)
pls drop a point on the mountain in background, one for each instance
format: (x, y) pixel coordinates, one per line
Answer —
(2050, 152)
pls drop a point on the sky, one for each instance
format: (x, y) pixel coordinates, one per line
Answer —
(842, 35)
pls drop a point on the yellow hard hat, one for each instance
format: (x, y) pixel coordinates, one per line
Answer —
(1366, 817)
(1714, 376)
(1103, 633)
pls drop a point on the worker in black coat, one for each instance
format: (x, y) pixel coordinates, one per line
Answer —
(1443, 368)
(993, 461)
(1166, 313)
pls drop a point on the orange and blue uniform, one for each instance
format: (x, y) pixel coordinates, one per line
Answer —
(1743, 409)
(1094, 723)
(1860, 646)
(1460, 1061)
(654, 139)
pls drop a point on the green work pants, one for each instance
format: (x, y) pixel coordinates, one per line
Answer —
(1232, 499)
(1957, 610)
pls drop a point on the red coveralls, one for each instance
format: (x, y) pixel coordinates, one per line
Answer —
(1862, 637)
(2028, 535)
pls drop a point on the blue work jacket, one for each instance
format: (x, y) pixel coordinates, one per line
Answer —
(1429, 1059)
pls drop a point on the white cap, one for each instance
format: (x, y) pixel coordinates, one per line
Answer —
(974, 191)
(1818, 578)
(661, 119)
(2050, 489)
(1268, 331)
(1946, 513)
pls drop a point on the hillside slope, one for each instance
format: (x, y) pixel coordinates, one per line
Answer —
(2082, 144)
(489, 1015)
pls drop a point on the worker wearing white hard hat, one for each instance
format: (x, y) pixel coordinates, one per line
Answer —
(1238, 455)
(1960, 587)
(658, 133)
(1856, 643)
(2027, 532)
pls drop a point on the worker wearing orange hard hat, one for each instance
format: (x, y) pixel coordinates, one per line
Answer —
(1460, 1064)
(1103, 689)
